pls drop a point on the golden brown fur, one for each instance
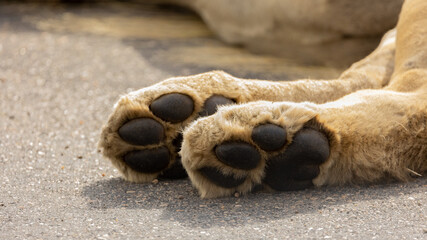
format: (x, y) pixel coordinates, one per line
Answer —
(375, 114)
(327, 31)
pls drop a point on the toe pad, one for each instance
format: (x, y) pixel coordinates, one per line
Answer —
(174, 107)
(212, 103)
(142, 131)
(220, 179)
(238, 155)
(269, 137)
(148, 160)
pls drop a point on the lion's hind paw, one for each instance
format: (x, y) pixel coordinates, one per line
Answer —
(142, 137)
(273, 150)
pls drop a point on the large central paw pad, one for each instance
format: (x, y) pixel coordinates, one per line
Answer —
(296, 167)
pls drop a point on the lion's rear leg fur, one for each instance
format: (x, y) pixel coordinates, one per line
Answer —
(366, 136)
(142, 136)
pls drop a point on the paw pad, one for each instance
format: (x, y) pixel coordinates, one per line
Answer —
(269, 137)
(176, 171)
(148, 160)
(299, 164)
(238, 155)
(212, 103)
(177, 142)
(174, 107)
(142, 131)
(220, 179)
(306, 172)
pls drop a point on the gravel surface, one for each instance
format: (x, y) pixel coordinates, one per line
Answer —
(57, 89)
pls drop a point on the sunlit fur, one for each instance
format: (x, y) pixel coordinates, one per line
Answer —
(375, 115)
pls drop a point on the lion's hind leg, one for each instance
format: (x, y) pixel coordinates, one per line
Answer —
(142, 137)
(366, 136)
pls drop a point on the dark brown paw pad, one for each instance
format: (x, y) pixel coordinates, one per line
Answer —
(173, 107)
(212, 103)
(142, 131)
(269, 137)
(176, 171)
(298, 165)
(177, 142)
(148, 160)
(238, 155)
(220, 179)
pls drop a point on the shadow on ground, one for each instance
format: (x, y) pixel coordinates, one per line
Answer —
(173, 40)
(180, 201)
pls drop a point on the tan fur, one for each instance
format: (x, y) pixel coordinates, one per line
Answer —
(321, 31)
(373, 72)
(374, 134)
(303, 21)
(236, 123)
(375, 115)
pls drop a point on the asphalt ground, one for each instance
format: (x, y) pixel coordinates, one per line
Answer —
(62, 68)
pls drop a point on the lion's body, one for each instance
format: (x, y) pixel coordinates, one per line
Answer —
(374, 117)
(332, 32)
(304, 21)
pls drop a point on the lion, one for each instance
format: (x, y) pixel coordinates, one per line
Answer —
(333, 32)
(234, 135)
